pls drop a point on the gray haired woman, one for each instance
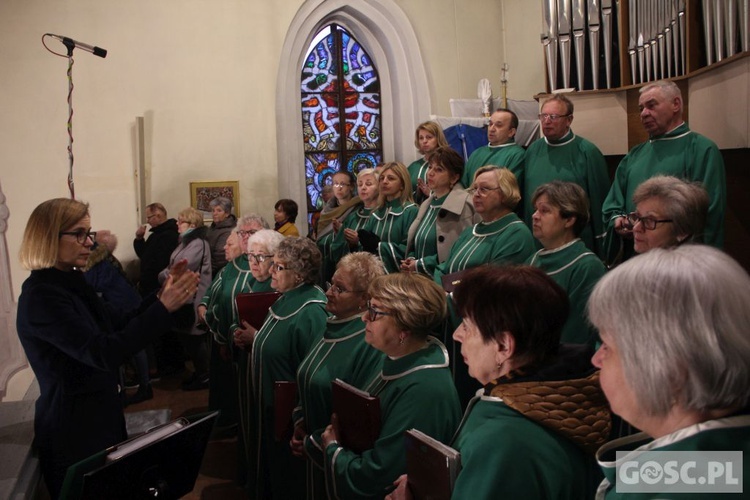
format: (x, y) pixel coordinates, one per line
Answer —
(218, 311)
(218, 232)
(668, 212)
(293, 325)
(674, 354)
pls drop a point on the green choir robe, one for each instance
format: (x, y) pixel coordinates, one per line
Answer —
(293, 325)
(576, 269)
(505, 454)
(391, 223)
(731, 433)
(505, 240)
(341, 353)
(415, 391)
(418, 170)
(356, 220)
(221, 314)
(681, 153)
(244, 394)
(509, 155)
(571, 159)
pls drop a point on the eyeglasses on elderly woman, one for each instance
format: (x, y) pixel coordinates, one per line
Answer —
(649, 223)
(260, 258)
(373, 314)
(337, 290)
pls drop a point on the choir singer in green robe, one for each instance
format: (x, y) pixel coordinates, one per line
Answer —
(341, 353)
(561, 212)
(532, 429)
(413, 384)
(294, 324)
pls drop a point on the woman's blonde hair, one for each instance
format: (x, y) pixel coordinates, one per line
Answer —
(432, 128)
(403, 174)
(41, 238)
(191, 216)
(416, 302)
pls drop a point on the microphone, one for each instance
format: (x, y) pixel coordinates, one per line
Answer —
(69, 42)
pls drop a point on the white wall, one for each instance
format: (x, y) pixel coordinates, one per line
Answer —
(202, 73)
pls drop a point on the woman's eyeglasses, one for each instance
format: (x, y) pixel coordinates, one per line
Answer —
(244, 233)
(260, 258)
(81, 235)
(277, 267)
(481, 190)
(649, 223)
(336, 290)
(373, 314)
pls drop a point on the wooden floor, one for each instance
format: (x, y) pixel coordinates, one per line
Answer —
(218, 471)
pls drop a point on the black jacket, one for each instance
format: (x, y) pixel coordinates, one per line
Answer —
(75, 344)
(154, 253)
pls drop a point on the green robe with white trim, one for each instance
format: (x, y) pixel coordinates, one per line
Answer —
(341, 353)
(415, 391)
(244, 394)
(730, 433)
(681, 153)
(505, 454)
(509, 155)
(418, 170)
(571, 159)
(576, 269)
(504, 241)
(221, 314)
(294, 324)
(391, 223)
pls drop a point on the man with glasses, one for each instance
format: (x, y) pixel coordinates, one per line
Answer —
(502, 149)
(561, 155)
(672, 149)
(154, 252)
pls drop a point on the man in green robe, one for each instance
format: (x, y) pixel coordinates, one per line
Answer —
(561, 155)
(672, 149)
(501, 151)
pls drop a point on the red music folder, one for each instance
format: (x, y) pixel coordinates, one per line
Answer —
(284, 401)
(253, 307)
(431, 466)
(359, 416)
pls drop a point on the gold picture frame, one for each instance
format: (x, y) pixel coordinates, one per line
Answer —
(201, 194)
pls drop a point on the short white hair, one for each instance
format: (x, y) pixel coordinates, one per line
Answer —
(267, 238)
(679, 318)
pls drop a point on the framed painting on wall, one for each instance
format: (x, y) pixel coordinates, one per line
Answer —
(201, 194)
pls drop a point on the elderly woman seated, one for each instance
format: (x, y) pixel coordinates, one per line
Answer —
(668, 212)
(674, 355)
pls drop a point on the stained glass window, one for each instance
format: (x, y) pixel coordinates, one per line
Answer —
(340, 93)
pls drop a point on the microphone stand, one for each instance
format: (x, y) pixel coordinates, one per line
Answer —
(70, 46)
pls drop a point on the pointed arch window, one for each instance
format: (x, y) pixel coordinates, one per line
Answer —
(341, 118)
